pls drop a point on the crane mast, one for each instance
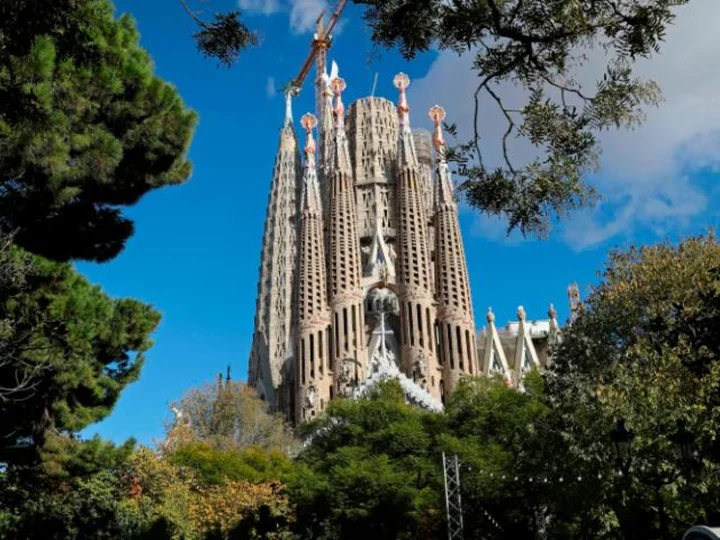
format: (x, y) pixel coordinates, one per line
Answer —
(320, 45)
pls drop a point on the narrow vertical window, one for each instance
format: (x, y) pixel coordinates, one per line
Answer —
(328, 333)
(458, 337)
(345, 329)
(411, 325)
(354, 326)
(321, 364)
(450, 346)
(438, 343)
(421, 335)
(312, 356)
(337, 335)
(469, 351)
(428, 321)
(302, 361)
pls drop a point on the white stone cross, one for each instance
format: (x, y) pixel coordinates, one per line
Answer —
(385, 356)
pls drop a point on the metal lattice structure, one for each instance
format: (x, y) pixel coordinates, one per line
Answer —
(453, 501)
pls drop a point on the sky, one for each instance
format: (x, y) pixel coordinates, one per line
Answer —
(196, 251)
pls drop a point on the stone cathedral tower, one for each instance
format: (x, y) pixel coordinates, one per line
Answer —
(363, 273)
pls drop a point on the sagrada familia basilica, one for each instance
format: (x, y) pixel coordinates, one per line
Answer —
(363, 274)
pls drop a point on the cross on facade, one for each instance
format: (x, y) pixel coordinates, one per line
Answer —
(383, 331)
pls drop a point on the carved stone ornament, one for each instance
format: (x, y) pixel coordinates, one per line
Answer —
(311, 397)
(420, 368)
(346, 365)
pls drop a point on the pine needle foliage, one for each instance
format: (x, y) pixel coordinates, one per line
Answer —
(86, 128)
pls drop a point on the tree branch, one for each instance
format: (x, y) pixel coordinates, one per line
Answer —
(511, 126)
(192, 14)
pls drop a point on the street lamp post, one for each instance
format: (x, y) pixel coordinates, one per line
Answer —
(684, 443)
(622, 438)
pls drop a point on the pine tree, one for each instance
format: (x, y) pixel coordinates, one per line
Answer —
(85, 127)
(75, 348)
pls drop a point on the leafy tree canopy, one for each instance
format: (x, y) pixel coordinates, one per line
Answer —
(214, 465)
(543, 48)
(372, 470)
(79, 348)
(85, 127)
(229, 415)
(170, 501)
(77, 492)
(646, 349)
(373, 467)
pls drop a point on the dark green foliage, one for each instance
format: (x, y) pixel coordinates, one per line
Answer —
(373, 470)
(77, 493)
(79, 347)
(224, 38)
(643, 350)
(85, 127)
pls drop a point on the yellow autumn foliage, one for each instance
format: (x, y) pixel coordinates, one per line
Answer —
(221, 508)
(159, 491)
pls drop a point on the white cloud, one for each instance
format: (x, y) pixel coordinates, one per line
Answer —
(270, 87)
(265, 7)
(302, 13)
(494, 228)
(646, 175)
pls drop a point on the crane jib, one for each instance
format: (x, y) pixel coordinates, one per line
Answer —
(322, 37)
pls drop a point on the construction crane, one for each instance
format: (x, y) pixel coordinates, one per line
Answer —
(320, 45)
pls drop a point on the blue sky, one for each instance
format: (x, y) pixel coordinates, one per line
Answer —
(196, 251)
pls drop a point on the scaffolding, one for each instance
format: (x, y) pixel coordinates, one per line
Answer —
(453, 501)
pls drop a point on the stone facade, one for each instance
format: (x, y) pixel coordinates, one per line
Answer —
(363, 274)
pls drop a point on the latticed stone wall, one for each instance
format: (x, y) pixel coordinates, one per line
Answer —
(372, 133)
(455, 314)
(417, 306)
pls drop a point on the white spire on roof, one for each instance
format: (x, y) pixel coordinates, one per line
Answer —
(288, 108)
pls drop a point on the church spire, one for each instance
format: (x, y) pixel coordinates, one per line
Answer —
(407, 155)
(340, 151)
(346, 293)
(455, 313)
(326, 132)
(288, 109)
(311, 190)
(313, 380)
(443, 185)
(414, 271)
(272, 338)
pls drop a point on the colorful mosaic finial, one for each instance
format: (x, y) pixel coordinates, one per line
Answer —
(490, 316)
(437, 115)
(308, 122)
(401, 82)
(338, 86)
